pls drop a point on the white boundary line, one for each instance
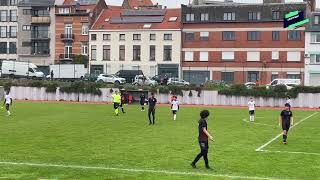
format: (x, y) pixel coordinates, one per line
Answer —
(273, 139)
(290, 152)
(245, 120)
(139, 170)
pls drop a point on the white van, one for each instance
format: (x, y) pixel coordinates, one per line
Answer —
(67, 71)
(20, 69)
(288, 82)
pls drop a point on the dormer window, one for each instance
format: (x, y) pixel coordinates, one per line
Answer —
(64, 10)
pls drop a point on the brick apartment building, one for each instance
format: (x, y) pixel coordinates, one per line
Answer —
(240, 43)
(73, 21)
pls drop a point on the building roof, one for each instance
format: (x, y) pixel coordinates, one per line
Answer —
(45, 3)
(117, 18)
(133, 4)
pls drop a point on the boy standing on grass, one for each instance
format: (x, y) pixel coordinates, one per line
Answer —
(7, 102)
(152, 108)
(175, 107)
(116, 102)
(285, 121)
(251, 106)
(204, 135)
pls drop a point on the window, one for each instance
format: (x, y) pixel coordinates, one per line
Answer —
(136, 37)
(26, 28)
(85, 29)
(167, 53)
(189, 36)
(275, 15)
(84, 48)
(315, 58)
(253, 16)
(4, 2)
(315, 37)
(106, 37)
(167, 37)
(147, 26)
(13, 2)
(253, 56)
(136, 52)
(68, 51)
(229, 16)
(93, 37)
(26, 12)
(93, 52)
(3, 47)
(3, 16)
(13, 31)
(64, 10)
(122, 53)
(293, 75)
(122, 37)
(274, 76)
(228, 56)
(204, 17)
(106, 52)
(253, 76)
(189, 17)
(294, 35)
(188, 56)
(40, 13)
(13, 15)
(275, 35)
(152, 37)
(40, 48)
(275, 55)
(152, 53)
(254, 36)
(3, 31)
(317, 19)
(173, 19)
(204, 56)
(293, 56)
(227, 77)
(204, 36)
(228, 36)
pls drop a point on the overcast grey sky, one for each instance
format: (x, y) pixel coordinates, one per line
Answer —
(176, 3)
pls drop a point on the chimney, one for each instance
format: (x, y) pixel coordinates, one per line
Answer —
(273, 1)
(311, 4)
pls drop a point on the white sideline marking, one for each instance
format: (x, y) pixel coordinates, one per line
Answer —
(290, 152)
(140, 170)
(269, 142)
(245, 120)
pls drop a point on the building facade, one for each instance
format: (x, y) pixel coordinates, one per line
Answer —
(8, 29)
(136, 39)
(73, 21)
(312, 51)
(240, 43)
(36, 35)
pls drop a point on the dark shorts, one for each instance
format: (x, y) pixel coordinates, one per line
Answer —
(116, 105)
(7, 107)
(251, 112)
(204, 145)
(174, 111)
(142, 103)
(152, 110)
(286, 126)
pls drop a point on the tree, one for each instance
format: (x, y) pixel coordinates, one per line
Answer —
(81, 59)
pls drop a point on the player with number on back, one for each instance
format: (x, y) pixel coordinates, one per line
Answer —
(251, 106)
(285, 121)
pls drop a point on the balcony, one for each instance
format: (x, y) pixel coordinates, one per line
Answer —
(67, 37)
(40, 35)
(66, 57)
(40, 20)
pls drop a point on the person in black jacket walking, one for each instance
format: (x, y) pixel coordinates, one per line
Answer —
(152, 101)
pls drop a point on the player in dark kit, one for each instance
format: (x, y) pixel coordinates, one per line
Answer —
(152, 101)
(142, 101)
(123, 101)
(286, 120)
(204, 135)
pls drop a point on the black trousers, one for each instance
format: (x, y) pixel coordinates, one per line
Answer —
(204, 146)
(152, 112)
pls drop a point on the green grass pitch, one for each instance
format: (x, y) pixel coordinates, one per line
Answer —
(80, 142)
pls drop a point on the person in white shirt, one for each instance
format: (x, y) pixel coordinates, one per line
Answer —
(7, 102)
(175, 107)
(251, 106)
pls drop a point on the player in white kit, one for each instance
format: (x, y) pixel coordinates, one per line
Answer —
(175, 107)
(251, 106)
(7, 102)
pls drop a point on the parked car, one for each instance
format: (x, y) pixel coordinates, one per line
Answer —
(289, 83)
(143, 80)
(110, 79)
(178, 82)
(249, 85)
(161, 78)
(90, 77)
(129, 75)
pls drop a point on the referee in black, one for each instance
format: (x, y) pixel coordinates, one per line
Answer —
(152, 101)
(285, 121)
(204, 135)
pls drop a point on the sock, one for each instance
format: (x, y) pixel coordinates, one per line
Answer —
(174, 117)
(117, 111)
(284, 138)
(9, 113)
(252, 118)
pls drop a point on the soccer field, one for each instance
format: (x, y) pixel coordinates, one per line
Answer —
(76, 141)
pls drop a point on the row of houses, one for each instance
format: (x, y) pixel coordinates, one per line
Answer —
(206, 40)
